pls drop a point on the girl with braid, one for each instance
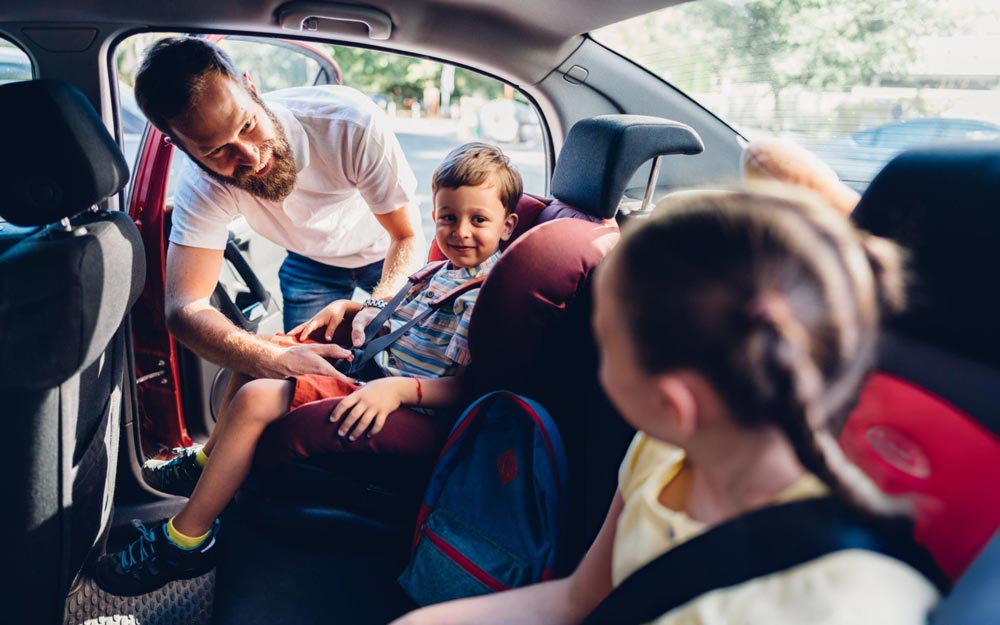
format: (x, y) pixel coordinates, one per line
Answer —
(735, 330)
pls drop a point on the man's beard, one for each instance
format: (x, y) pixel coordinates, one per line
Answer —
(279, 180)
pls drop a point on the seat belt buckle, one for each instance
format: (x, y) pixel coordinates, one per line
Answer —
(351, 367)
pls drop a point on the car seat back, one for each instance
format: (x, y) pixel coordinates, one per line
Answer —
(65, 292)
(927, 424)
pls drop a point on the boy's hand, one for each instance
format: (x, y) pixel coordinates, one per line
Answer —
(369, 405)
(330, 317)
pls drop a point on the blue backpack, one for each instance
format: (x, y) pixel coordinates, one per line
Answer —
(491, 517)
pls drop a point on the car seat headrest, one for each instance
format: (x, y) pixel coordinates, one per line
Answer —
(601, 154)
(60, 159)
(527, 293)
(940, 204)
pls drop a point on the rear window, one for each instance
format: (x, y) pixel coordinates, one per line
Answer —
(854, 80)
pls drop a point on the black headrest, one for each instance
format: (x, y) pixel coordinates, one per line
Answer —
(602, 153)
(942, 205)
(59, 159)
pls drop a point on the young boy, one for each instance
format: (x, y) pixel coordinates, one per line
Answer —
(475, 193)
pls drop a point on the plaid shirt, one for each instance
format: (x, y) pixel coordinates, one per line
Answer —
(438, 344)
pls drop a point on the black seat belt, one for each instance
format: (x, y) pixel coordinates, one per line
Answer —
(363, 356)
(754, 545)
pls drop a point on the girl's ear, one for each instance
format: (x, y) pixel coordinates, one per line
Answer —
(678, 397)
(509, 223)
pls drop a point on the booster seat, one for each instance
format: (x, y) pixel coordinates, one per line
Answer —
(530, 333)
(928, 423)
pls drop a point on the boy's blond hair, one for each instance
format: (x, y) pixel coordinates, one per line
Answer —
(476, 163)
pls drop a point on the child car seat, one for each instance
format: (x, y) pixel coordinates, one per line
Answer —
(928, 424)
(530, 333)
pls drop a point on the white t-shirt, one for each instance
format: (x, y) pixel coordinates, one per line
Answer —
(350, 168)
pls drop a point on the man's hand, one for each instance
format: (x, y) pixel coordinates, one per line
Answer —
(369, 405)
(361, 321)
(311, 358)
(330, 317)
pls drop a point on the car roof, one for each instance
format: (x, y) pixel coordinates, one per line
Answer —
(525, 39)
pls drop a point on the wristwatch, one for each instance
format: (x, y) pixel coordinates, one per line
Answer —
(374, 303)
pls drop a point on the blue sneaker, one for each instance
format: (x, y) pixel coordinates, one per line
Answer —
(152, 560)
(176, 476)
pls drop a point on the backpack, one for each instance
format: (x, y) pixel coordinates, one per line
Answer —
(491, 517)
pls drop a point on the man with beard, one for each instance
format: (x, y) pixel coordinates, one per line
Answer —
(314, 170)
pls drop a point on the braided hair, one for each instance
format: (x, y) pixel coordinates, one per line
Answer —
(777, 299)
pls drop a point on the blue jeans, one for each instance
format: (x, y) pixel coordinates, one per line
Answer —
(307, 286)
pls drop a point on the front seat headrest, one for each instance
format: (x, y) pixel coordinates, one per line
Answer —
(60, 159)
(941, 205)
(602, 153)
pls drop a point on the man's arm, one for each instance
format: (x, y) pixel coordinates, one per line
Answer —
(192, 273)
(401, 260)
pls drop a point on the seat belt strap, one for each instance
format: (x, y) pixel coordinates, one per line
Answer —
(375, 344)
(754, 545)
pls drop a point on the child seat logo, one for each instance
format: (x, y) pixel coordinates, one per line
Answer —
(507, 466)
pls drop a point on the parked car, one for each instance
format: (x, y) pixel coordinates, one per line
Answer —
(323, 541)
(859, 156)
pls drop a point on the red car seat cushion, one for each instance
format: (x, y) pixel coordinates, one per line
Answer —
(913, 443)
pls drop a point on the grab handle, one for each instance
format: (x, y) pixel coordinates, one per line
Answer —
(315, 17)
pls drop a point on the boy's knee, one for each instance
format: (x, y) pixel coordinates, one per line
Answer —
(261, 400)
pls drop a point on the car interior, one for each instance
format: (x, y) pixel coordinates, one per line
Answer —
(92, 384)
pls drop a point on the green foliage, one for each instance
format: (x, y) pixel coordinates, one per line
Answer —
(828, 44)
(400, 77)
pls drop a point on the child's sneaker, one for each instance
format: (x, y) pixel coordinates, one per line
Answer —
(152, 560)
(176, 476)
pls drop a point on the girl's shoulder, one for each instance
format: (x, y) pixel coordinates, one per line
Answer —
(645, 459)
(851, 587)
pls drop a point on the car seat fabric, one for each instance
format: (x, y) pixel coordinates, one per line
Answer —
(64, 293)
(602, 154)
(926, 425)
(64, 161)
(973, 599)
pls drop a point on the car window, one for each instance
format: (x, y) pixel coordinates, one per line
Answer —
(15, 66)
(14, 63)
(848, 79)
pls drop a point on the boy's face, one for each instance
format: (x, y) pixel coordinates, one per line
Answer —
(470, 222)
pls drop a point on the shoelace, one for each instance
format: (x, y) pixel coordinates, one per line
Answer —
(177, 468)
(147, 539)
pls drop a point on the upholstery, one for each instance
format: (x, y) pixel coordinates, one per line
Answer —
(65, 290)
(926, 426)
(601, 154)
(65, 160)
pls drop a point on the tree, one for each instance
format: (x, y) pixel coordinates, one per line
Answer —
(820, 44)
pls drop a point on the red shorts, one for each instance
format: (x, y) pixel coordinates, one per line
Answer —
(306, 430)
(309, 388)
